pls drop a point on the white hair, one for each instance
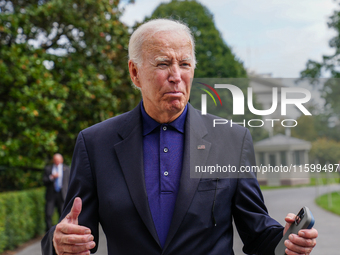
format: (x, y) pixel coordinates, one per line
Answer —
(152, 27)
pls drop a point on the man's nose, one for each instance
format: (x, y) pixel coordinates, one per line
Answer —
(175, 74)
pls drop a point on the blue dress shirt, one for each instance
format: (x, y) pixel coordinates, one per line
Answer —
(163, 146)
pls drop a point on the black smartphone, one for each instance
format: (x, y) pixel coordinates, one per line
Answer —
(303, 220)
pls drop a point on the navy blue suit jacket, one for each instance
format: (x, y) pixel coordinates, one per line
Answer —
(107, 173)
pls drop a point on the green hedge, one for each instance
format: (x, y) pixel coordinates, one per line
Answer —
(21, 217)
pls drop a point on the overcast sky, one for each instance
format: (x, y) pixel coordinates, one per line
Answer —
(269, 36)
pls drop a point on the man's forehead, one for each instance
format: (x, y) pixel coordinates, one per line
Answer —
(164, 44)
(168, 39)
(57, 157)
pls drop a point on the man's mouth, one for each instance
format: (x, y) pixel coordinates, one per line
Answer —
(175, 93)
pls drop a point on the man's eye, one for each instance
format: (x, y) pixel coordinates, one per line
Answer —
(162, 64)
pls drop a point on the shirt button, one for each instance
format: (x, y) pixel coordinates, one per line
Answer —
(165, 128)
(166, 173)
(165, 149)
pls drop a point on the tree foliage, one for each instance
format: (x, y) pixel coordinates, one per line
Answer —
(12, 179)
(330, 64)
(311, 128)
(306, 128)
(325, 151)
(63, 67)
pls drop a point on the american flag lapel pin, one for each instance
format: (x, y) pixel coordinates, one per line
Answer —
(201, 147)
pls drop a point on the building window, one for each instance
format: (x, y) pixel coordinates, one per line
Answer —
(272, 160)
(283, 158)
(298, 157)
(261, 158)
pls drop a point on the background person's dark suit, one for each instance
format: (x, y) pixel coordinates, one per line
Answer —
(107, 174)
(54, 199)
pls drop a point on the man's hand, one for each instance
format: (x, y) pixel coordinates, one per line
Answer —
(303, 243)
(69, 237)
(55, 176)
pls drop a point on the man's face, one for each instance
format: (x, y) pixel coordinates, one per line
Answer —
(164, 76)
(57, 159)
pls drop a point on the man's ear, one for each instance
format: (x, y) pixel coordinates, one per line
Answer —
(133, 69)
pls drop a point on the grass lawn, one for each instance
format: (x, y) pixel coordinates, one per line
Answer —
(322, 201)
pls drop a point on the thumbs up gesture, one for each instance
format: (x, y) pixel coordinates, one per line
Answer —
(69, 237)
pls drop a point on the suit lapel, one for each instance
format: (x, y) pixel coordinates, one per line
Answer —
(195, 130)
(130, 155)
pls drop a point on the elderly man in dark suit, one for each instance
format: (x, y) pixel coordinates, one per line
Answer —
(56, 178)
(131, 173)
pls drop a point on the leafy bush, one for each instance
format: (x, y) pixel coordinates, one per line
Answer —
(14, 178)
(3, 237)
(326, 151)
(21, 217)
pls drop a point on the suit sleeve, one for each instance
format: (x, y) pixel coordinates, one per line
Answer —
(258, 231)
(82, 184)
(46, 177)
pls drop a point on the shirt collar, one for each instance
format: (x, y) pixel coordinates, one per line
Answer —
(149, 124)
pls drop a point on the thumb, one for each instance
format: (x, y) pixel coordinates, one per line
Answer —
(290, 218)
(72, 217)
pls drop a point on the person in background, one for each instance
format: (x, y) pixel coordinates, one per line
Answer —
(56, 177)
